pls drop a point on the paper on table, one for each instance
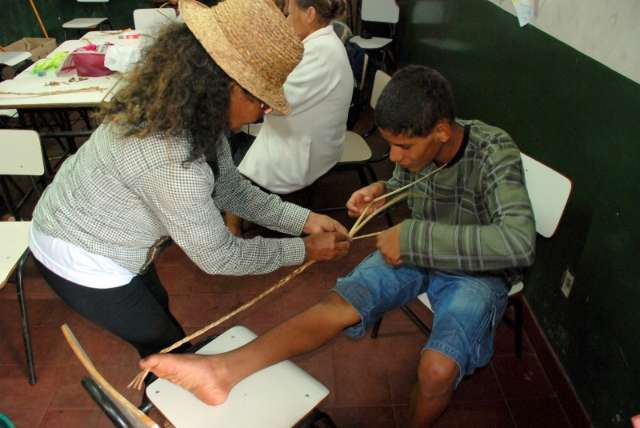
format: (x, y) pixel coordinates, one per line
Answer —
(525, 9)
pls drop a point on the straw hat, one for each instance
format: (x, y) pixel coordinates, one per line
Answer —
(251, 41)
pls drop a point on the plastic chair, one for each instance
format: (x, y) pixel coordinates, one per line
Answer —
(151, 21)
(278, 396)
(549, 192)
(86, 24)
(22, 155)
(381, 11)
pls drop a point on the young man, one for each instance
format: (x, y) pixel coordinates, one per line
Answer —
(471, 229)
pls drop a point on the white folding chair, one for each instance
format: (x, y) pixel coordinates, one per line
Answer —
(21, 155)
(151, 21)
(86, 24)
(549, 192)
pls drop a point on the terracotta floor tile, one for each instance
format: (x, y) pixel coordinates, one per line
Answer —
(402, 364)
(25, 417)
(522, 378)
(482, 385)
(70, 418)
(361, 372)
(479, 414)
(17, 393)
(537, 412)
(362, 417)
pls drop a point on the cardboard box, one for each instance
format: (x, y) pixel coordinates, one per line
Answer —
(38, 47)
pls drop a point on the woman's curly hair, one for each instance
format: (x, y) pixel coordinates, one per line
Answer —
(176, 89)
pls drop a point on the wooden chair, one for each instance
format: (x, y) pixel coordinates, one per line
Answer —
(549, 192)
(21, 155)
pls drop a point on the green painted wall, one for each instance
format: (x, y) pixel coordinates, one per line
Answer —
(580, 118)
(17, 19)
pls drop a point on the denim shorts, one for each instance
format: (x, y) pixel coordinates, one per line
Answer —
(466, 307)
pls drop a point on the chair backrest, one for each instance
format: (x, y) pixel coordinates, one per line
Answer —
(379, 82)
(549, 192)
(152, 20)
(21, 152)
(380, 11)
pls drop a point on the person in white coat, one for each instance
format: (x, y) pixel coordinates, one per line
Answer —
(291, 152)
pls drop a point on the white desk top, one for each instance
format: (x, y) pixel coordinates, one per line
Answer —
(276, 397)
(40, 91)
(15, 240)
(13, 58)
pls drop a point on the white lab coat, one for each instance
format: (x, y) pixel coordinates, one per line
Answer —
(291, 152)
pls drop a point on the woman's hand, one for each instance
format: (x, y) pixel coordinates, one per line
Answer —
(361, 198)
(326, 246)
(317, 223)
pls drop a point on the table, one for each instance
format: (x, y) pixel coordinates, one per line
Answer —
(30, 91)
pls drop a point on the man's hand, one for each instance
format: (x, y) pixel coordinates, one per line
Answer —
(362, 197)
(318, 223)
(389, 245)
(326, 246)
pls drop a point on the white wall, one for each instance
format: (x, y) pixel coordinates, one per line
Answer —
(606, 30)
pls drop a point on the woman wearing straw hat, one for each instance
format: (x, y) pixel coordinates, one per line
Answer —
(144, 176)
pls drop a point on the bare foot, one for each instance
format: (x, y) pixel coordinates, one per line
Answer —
(206, 377)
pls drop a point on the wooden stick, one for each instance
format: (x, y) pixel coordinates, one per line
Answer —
(35, 11)
(106, 386)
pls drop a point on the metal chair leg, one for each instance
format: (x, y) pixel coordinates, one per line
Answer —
(26, 336)
(416, 320)
(376, 328)
(315, 417)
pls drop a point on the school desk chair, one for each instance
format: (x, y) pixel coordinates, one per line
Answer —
(21, 155)
(549, 192)
(82, 25)
(379, 11)
(279, 396)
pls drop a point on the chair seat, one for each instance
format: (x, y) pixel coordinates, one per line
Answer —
(372, 43)
(277, 396)
(15, 240)
(515, 289)
(356, 149)
(84, 23)
(14, 58)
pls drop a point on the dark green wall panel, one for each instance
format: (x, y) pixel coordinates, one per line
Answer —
(18, 20)
(581, 118)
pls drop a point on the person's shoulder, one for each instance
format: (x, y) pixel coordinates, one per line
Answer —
(488, 137)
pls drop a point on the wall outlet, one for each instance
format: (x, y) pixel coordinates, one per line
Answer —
(567, 283)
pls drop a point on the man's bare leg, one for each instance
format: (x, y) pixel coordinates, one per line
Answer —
(432, 393)
(210, 378)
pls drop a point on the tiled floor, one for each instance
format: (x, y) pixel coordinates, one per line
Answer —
(369, 379)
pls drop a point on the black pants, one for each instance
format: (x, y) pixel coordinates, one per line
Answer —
(137, 312)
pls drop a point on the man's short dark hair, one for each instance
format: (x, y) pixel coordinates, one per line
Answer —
(413, 101)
